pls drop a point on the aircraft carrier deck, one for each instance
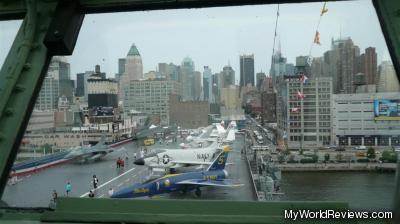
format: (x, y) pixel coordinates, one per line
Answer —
(36, 189)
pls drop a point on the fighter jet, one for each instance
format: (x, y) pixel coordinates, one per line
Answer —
(175, 158)
(86, 154)
(214, 176)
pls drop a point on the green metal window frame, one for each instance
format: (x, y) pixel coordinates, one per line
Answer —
(43, 34)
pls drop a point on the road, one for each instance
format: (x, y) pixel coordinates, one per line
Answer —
(36, 190)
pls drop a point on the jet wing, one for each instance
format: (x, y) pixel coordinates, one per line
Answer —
(194, 163)
(191, 162)
(215, 183)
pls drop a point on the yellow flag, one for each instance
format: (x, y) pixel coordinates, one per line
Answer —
(324, 9)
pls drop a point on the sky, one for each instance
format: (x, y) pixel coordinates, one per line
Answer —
(215, 37)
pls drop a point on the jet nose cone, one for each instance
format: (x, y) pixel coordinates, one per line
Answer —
(139, 161)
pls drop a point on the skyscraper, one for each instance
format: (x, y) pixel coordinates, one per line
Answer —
(187, 69)
(280, 67)
(260, 76)
(387, 81)
(133, 64)
(342, 64)
(80, 88)
(227, 76)
(56, 84)
(197, 85)
(368, 65)
(133, 71)
(246, 70)
(207, 83)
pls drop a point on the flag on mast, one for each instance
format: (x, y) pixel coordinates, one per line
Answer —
(316, 38)
(300, 95)
(324, 9)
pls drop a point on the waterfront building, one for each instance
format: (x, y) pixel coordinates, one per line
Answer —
(356, 119)
(304, 111)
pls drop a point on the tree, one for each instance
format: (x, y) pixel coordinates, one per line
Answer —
(371, 153)
(281, 158)
(327, 157)
(389, 156)
(339, 157)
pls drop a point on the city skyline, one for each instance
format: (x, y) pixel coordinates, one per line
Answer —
(235, 30)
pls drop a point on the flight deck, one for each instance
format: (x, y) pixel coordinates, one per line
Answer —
(36, 189)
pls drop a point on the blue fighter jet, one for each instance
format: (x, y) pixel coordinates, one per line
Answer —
(214, 176)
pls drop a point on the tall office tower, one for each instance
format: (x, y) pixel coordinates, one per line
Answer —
(342, 61)
(368, 65)
(174, 72)
(48, 95)
(318, 68)
(80, 84)
(246, 70)
(187, 70)
(133, 71)
(228, 76)
(133, 64)
(280, 67)
(260, 78)
(197, 90)
(163, 70)
(121, 69)
(61, 67)
(121, 65)
(215, 96)
(387, 79)
(56, 84)
(207, 83)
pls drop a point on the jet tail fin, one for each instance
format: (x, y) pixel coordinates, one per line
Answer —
(220, 161)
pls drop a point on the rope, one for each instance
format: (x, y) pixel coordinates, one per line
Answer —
(316, 30)
(275, 33)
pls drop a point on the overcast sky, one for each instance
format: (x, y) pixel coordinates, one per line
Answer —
(215, 36)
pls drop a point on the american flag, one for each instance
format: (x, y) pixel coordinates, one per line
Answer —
(294, 109)
(300, 95)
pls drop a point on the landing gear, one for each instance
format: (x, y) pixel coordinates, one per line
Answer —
(197, 192)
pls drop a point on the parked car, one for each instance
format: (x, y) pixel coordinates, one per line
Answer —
(340, 149)
(360, 147)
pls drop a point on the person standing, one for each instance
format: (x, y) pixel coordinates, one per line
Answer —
(55, 196)
(95, 181)
(68, 188)
(118, 162)
(91, 194)
(110, 192)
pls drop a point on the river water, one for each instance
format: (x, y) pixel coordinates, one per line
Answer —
(362, 190)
